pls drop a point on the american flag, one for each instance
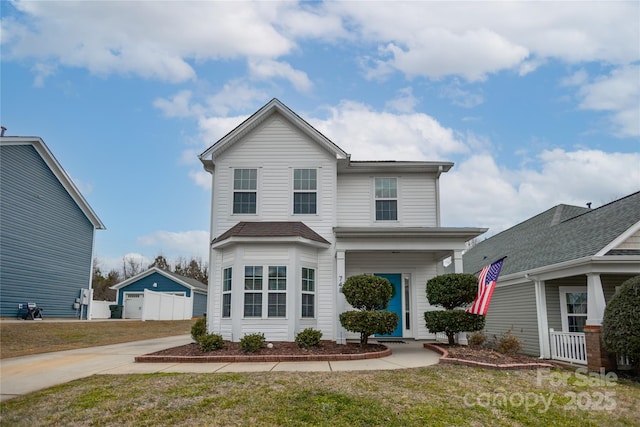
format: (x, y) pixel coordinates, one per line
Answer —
(486, 284)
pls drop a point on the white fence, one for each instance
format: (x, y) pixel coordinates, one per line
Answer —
(100, 309)
(568, 347)
(163, 306)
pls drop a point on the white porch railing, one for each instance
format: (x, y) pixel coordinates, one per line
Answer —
(568, 346)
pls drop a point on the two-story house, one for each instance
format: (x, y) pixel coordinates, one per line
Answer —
(292, 216)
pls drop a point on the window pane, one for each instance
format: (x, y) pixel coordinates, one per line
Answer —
(308, 305)
(577, 303)
(576, 323)
(244, 203)
(386, 188)
(304, 179)
(277, 305)
(278, 278)
(245, 179)
(226, 305)
(226, 280)
(386, 210)
(308, 280)
(304, 203)
(253, 278)
(252, 305)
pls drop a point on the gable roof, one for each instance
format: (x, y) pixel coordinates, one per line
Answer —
(270, 231)
(562, 233)
(56, 168)
(188, 282)
(272, 107)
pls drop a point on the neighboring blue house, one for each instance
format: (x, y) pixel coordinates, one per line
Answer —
(131, 291)
(46, 231)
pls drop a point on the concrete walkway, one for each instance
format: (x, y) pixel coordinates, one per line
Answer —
(22, 375)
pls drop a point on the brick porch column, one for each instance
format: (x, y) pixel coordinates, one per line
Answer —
(597, 356)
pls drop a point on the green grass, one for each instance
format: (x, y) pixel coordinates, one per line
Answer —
(442, 395)
(29, 337)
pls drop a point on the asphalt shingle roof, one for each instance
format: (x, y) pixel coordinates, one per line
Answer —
(562, 233)
(271, 229)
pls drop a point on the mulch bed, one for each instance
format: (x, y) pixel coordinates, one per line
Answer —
(486, 357)
(280, 352)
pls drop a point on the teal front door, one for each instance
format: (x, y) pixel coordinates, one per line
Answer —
(395, 304)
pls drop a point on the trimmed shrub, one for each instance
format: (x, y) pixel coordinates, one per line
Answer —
(621, 323)
(365, 292)
(477, 338)
(308, 338)
(199, 329)
(370, 295)
(369, 322)
(453, 321)
(251, 343)
(211, 342)
(508, 343)
(452, 290)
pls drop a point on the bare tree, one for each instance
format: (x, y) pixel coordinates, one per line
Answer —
(132, 266)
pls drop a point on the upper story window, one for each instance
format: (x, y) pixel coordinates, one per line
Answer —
(245, 184)
(386, 197)
(305, 187)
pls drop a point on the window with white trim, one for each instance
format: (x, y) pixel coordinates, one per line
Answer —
(245, 184)
(227, 275)
(277, 298)
(305, 195)
(308, 292)
(270, 299)
(386, 199)
(253, 291)
(573, 308)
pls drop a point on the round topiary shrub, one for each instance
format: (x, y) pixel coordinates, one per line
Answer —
(370, 295)
(453, 321)
(452, 290)
(366, 292)
(308, 338)
(369, 322)
(211, 342)
(621, 323)
(199, 329)
(252, 343)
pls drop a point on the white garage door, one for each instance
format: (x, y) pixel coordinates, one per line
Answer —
(133, 305)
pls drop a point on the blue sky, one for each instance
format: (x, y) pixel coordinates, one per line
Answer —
(537, 103)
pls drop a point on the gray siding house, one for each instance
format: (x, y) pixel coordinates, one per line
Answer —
(131, 291)
(562, 268)
(46, 231)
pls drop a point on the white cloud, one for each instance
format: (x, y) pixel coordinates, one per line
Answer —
(477, 192)
(372, 135)
(404, 102)
(619, 93)
(266, 69)
(193, 243)
(179, 105)
(462, 97)
(152, 40)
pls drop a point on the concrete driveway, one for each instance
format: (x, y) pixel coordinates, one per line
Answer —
(22, 375)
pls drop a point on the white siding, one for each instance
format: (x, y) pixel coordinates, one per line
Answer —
(275, 148)
(417, 202)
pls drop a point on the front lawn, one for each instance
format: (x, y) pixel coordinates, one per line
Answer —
(442, 395)
(33, 337)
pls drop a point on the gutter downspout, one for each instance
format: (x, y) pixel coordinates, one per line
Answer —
(440, 169)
